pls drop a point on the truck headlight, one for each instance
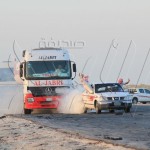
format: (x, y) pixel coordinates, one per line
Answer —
(29, 92)
(102, 98)
(30, 100)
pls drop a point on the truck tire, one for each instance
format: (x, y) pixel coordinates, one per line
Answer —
(98, 111)
(27, 111)
(134, 100)
(127, 109)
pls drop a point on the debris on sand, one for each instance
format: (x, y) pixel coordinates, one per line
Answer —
(112, 138)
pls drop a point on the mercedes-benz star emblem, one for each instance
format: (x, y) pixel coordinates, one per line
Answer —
(48, 90)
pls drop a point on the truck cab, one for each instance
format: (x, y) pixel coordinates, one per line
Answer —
(45, 74)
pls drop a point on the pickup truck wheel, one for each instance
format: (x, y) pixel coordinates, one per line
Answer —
(111, 110)
(127, 110)
(27, 111)
(85, 110)
(98, 111)
(134, 100)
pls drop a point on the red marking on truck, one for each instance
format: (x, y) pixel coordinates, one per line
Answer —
(37, 83)
(89, 97)
(54, 82)
(50, 82)
(92, 97)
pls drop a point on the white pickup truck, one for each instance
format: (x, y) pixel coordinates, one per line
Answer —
(108, 96)
(105, 96)
(139, 95)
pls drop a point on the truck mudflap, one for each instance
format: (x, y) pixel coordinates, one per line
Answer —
(31, 102)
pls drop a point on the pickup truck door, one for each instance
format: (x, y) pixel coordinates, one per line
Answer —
(88, 98)
(147, 95)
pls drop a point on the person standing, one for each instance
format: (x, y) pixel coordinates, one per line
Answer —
(122, 83)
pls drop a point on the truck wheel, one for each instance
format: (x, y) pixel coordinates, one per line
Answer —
(127, 109)
(98, 111)
(134, 100)
(27, 111)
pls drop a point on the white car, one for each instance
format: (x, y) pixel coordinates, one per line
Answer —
(107, 96)
(139, 95)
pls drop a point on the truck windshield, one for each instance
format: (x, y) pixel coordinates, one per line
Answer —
(114, 87)
(47, 70)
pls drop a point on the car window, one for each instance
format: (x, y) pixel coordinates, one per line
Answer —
(141, 90)
(110, 87)
(102, 89)
(147, 91)
(132, 91)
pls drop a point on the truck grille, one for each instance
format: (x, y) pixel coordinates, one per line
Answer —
(43, 91)
(109, 98)
(115, 98)
(121, 98)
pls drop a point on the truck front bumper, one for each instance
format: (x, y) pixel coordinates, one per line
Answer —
(113, 105)
(51, 102)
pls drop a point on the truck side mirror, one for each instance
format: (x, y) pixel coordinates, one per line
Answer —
(23, 53)
(21, 70)
(74, 68)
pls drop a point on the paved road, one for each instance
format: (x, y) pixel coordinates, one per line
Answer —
(130, 129)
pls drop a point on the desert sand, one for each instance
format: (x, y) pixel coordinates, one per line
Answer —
(18, 133)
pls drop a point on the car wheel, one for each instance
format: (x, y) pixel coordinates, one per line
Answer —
(27, 111)
(98, 111)
(134, 100)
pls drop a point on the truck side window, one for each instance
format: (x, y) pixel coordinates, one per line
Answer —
(141, 90)
(147, 91)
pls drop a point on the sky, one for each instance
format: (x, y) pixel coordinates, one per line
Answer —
(94, 22)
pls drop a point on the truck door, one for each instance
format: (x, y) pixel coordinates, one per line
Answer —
(88, 100)
(147, 95)
(85, 96)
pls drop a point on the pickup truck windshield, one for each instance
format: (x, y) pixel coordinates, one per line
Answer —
(47, 70)
(114, 87)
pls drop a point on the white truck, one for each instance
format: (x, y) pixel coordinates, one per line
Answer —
(139, 95)
(105, 96)
(45, 73)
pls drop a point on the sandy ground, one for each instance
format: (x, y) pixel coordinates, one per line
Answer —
(67, 131)
(129, 130)
(11, 99)
(18, 133)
